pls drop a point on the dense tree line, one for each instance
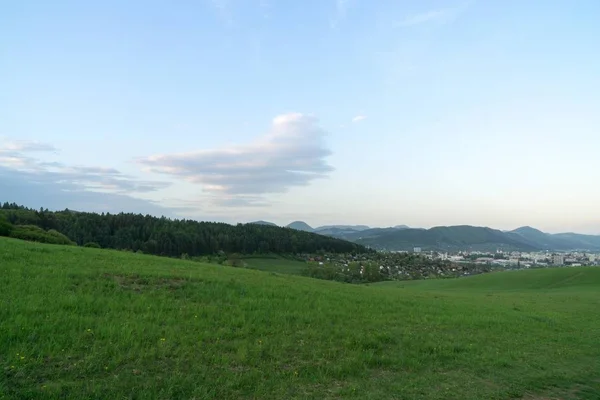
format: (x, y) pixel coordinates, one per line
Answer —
(173, 237)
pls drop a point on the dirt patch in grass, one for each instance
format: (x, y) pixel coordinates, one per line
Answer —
(574, 393)
(138, 283)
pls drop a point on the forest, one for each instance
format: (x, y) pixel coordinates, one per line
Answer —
(164, 236)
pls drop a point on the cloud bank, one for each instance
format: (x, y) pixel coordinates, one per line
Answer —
(13, 155)
(291, 154)
(36, 183)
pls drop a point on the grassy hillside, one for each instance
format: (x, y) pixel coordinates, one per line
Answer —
(90, 323)
(275, 264)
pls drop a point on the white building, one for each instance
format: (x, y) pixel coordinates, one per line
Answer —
(558, 259)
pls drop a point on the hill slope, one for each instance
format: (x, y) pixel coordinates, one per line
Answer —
(88, 323)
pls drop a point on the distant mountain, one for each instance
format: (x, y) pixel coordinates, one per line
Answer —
(465, 237)
(445, 238)
(263, 223)
(452, 238)
(401, 227)
(301, 226)
(579, 241)
(559, 241)
(353, 235)
(342, 227)
(537, 238)
(332, 231)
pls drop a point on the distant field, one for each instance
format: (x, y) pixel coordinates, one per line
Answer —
(539, 280)
(275, 264)
(87, 323)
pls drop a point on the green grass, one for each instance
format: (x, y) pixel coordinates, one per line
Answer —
(82, 323)
(546, 280)
(275, 264)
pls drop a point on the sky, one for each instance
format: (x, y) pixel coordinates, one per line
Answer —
(381, 113)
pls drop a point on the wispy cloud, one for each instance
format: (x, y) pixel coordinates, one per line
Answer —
(264, 7)
(341, 9)
(439, 16)
(291, 154)
(24, 146)
(14, 155)
(30, 181)
(35, 189)
(223, 8)
(359, 118)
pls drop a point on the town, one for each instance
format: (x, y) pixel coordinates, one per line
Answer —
(517, 259)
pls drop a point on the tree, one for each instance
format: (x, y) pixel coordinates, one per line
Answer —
(5, 227)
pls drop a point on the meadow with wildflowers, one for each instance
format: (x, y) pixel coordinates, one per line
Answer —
(85, 323)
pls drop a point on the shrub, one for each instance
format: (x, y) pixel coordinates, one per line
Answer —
(36, 234)
(59, 238)
(5, 227)
(92, 245)
(235, 261)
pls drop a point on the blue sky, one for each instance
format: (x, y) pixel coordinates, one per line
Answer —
(422, 113)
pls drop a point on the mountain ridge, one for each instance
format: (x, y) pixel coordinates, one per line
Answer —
(467, 237)
(453, 238)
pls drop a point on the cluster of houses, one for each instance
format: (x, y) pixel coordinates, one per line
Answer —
(421, 265)
(394, 266)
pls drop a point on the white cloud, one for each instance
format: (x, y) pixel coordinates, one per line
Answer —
(291, 154)
(359, 118)
(24, 146)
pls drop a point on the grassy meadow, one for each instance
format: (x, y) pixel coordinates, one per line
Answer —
(82, 323)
